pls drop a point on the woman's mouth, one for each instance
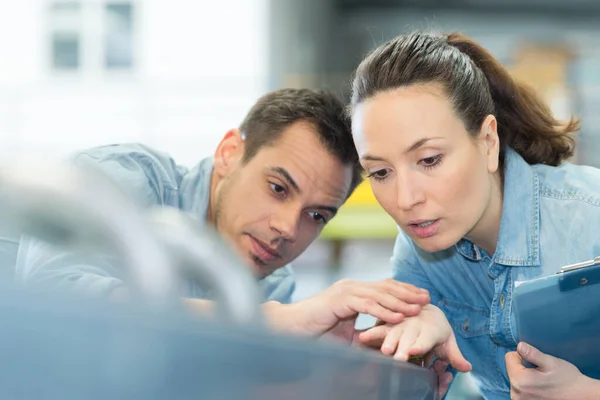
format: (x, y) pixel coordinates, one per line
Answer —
(424, 228)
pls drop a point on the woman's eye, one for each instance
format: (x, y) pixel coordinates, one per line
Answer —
(430, 162)
(379, 174)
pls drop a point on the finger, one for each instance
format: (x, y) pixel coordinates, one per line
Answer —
(440, 366)
(371, 307)
(422, 344)
(406, 342)
(444, 382)
(388, 300)
(529, 353)
(374, 334)
(404, 291)
(454, 356)
(390, 343)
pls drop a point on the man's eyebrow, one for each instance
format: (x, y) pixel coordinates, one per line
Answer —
(286, 176)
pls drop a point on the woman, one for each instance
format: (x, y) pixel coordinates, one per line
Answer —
(471, 166)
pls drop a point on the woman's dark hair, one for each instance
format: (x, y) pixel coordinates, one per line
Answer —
(476, 84)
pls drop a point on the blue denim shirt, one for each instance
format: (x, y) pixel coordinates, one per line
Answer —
(153, 178)
(550, 218)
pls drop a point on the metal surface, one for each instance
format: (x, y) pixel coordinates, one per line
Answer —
(584, 264)
(60, 347)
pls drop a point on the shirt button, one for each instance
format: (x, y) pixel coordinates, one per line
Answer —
(466, 326)
(501, 300)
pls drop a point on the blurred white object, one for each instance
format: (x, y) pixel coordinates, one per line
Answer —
(202, 256)
(82, 209)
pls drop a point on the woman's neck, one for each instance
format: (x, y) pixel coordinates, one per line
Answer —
(485, 234)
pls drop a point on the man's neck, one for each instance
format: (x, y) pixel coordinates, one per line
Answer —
(214, 181)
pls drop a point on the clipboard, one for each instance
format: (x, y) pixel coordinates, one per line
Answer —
(560, 315)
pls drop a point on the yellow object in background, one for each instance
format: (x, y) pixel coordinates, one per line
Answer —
(362, 196)
(361, 217)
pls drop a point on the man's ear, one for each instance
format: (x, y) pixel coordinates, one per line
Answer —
(229, 152)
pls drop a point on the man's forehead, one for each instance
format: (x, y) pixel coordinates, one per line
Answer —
(300, 152)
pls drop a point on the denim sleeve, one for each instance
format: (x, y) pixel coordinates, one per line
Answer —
(38, 263)
(144, 176)
(407, 268)
(279, 286)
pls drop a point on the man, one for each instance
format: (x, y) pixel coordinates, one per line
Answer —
(269, 189)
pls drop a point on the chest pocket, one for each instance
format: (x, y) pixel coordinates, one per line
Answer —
(466, 321)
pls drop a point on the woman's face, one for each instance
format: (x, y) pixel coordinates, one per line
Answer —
(425, 169)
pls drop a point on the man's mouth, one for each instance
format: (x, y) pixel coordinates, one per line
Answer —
(262, 251)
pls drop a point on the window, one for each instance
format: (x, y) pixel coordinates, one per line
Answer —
(118, 36)
(66, 35)
(91, 36)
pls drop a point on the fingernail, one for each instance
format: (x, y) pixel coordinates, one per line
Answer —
(400, 356)
(522, 348)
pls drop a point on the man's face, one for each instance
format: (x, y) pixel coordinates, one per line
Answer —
(272, 207)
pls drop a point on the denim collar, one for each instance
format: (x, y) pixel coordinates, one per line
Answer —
(519, 237)
(194, 190)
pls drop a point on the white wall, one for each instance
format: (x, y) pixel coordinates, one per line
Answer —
(200, 65)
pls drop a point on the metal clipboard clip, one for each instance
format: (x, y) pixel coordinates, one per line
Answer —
(583, 264)
(579, 275)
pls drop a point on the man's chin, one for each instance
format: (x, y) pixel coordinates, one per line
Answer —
(258, 268)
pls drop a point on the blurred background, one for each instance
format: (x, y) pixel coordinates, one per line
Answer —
(177, 74)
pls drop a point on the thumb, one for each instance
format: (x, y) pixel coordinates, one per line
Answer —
(451, 353)
(534, 356)
(513, 363)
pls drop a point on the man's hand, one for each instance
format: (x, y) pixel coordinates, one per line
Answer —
(334, 310)
(552, 379)
(418, 335)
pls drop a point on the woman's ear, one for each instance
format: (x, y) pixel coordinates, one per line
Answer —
(491, 141)
(229, 152)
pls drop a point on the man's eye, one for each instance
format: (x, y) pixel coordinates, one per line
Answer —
(318, 217)
(277, 188)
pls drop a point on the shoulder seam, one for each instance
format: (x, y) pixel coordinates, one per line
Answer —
(594, 201)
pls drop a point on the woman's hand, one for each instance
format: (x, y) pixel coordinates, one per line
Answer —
(552, 379)
(417, 336)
